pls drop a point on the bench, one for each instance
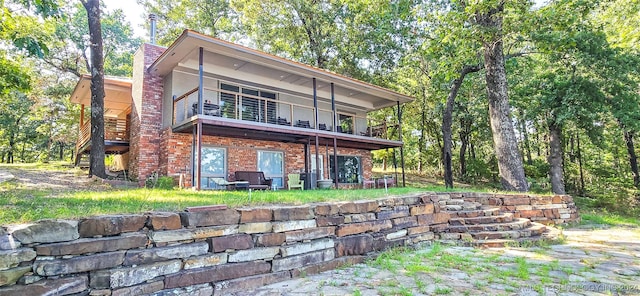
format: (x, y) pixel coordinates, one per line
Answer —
(256, 179)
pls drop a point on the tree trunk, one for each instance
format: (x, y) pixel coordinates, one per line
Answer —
(446, 134)
(423, 132)
(633, 160)
(525, 139)
(580, 163)
(96, 156)
(463, 151)
(447, 120)
(61, 155)
(465, 136)
(504, 139)
(555, 159)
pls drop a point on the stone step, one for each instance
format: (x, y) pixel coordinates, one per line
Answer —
(535, 229)
(501, 218)
(550, 235)
(459, 205)
(518, 224)
(486, 211)
(451, 202)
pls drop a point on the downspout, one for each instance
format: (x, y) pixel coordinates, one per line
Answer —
(315, 107)
(400, 139)
(335, 139)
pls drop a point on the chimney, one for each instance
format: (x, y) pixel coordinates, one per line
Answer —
(153, 18)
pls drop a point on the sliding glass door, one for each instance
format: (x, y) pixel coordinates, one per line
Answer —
(272, 164)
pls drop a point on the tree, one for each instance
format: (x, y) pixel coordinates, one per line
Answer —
(23, 29)
(97, 167)
(211, 17)
(68, 44)
(489, 16)
(14, 107)
(620, 20)
(574, 80)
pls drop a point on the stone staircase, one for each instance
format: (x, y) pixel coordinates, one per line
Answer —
(486, 226)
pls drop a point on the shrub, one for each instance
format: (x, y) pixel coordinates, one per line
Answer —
(165, 182)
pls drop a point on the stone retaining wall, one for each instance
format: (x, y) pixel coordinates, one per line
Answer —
(547, 210)
(216, 250)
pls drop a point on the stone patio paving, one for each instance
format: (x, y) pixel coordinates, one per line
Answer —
(594, 260)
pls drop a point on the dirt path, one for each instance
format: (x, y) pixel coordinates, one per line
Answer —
(50, 179)
(603, 261)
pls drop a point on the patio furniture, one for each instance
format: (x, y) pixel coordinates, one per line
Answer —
(386, 181)
(207, 109)
(303, 124)
(256, 179)
(294, 182)
(221, 183)
(283, 121)
(370, 182)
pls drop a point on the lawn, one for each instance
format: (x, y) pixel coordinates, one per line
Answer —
(21, 204)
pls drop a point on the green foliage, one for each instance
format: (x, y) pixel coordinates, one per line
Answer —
(13, 77)
(165, 182)
(69, 48)
(23, 27)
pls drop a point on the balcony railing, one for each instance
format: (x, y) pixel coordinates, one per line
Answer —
(114, 130)
(233, 105)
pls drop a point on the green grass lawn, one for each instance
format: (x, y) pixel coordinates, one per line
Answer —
(19, 204)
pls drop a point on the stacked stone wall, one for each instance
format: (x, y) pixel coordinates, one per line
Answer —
(547, 210)
(214, 250)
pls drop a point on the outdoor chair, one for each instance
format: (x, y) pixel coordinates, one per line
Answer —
(295, 182)
(303, 124)
(283, 121)
(324, 127)
(256, 179)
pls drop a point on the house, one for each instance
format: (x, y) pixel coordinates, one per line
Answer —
(230, 108)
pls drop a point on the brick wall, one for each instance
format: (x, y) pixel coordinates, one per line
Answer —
(242, 154)
(146, 115)
(216, 250)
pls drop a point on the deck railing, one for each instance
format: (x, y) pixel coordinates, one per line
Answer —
(114, 130)
(233, 105)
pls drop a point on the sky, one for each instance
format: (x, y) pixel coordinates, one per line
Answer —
(134, 14)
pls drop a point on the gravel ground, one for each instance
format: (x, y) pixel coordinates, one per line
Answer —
(56, 180)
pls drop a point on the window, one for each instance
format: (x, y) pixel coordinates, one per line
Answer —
(214, 165)
(345, 124)
(253, 109)
(349, 169)
(228, 100)
(272, 164)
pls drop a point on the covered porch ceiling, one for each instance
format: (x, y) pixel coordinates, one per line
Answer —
(117, 94)
(218, 126)
(183, 54)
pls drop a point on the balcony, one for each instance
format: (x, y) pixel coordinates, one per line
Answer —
(116, 136)
(254, 115)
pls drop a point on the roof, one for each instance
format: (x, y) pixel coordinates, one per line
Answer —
(117, 93)
(190, 41)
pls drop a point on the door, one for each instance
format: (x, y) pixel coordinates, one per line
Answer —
(272, 164)
(313, 166)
